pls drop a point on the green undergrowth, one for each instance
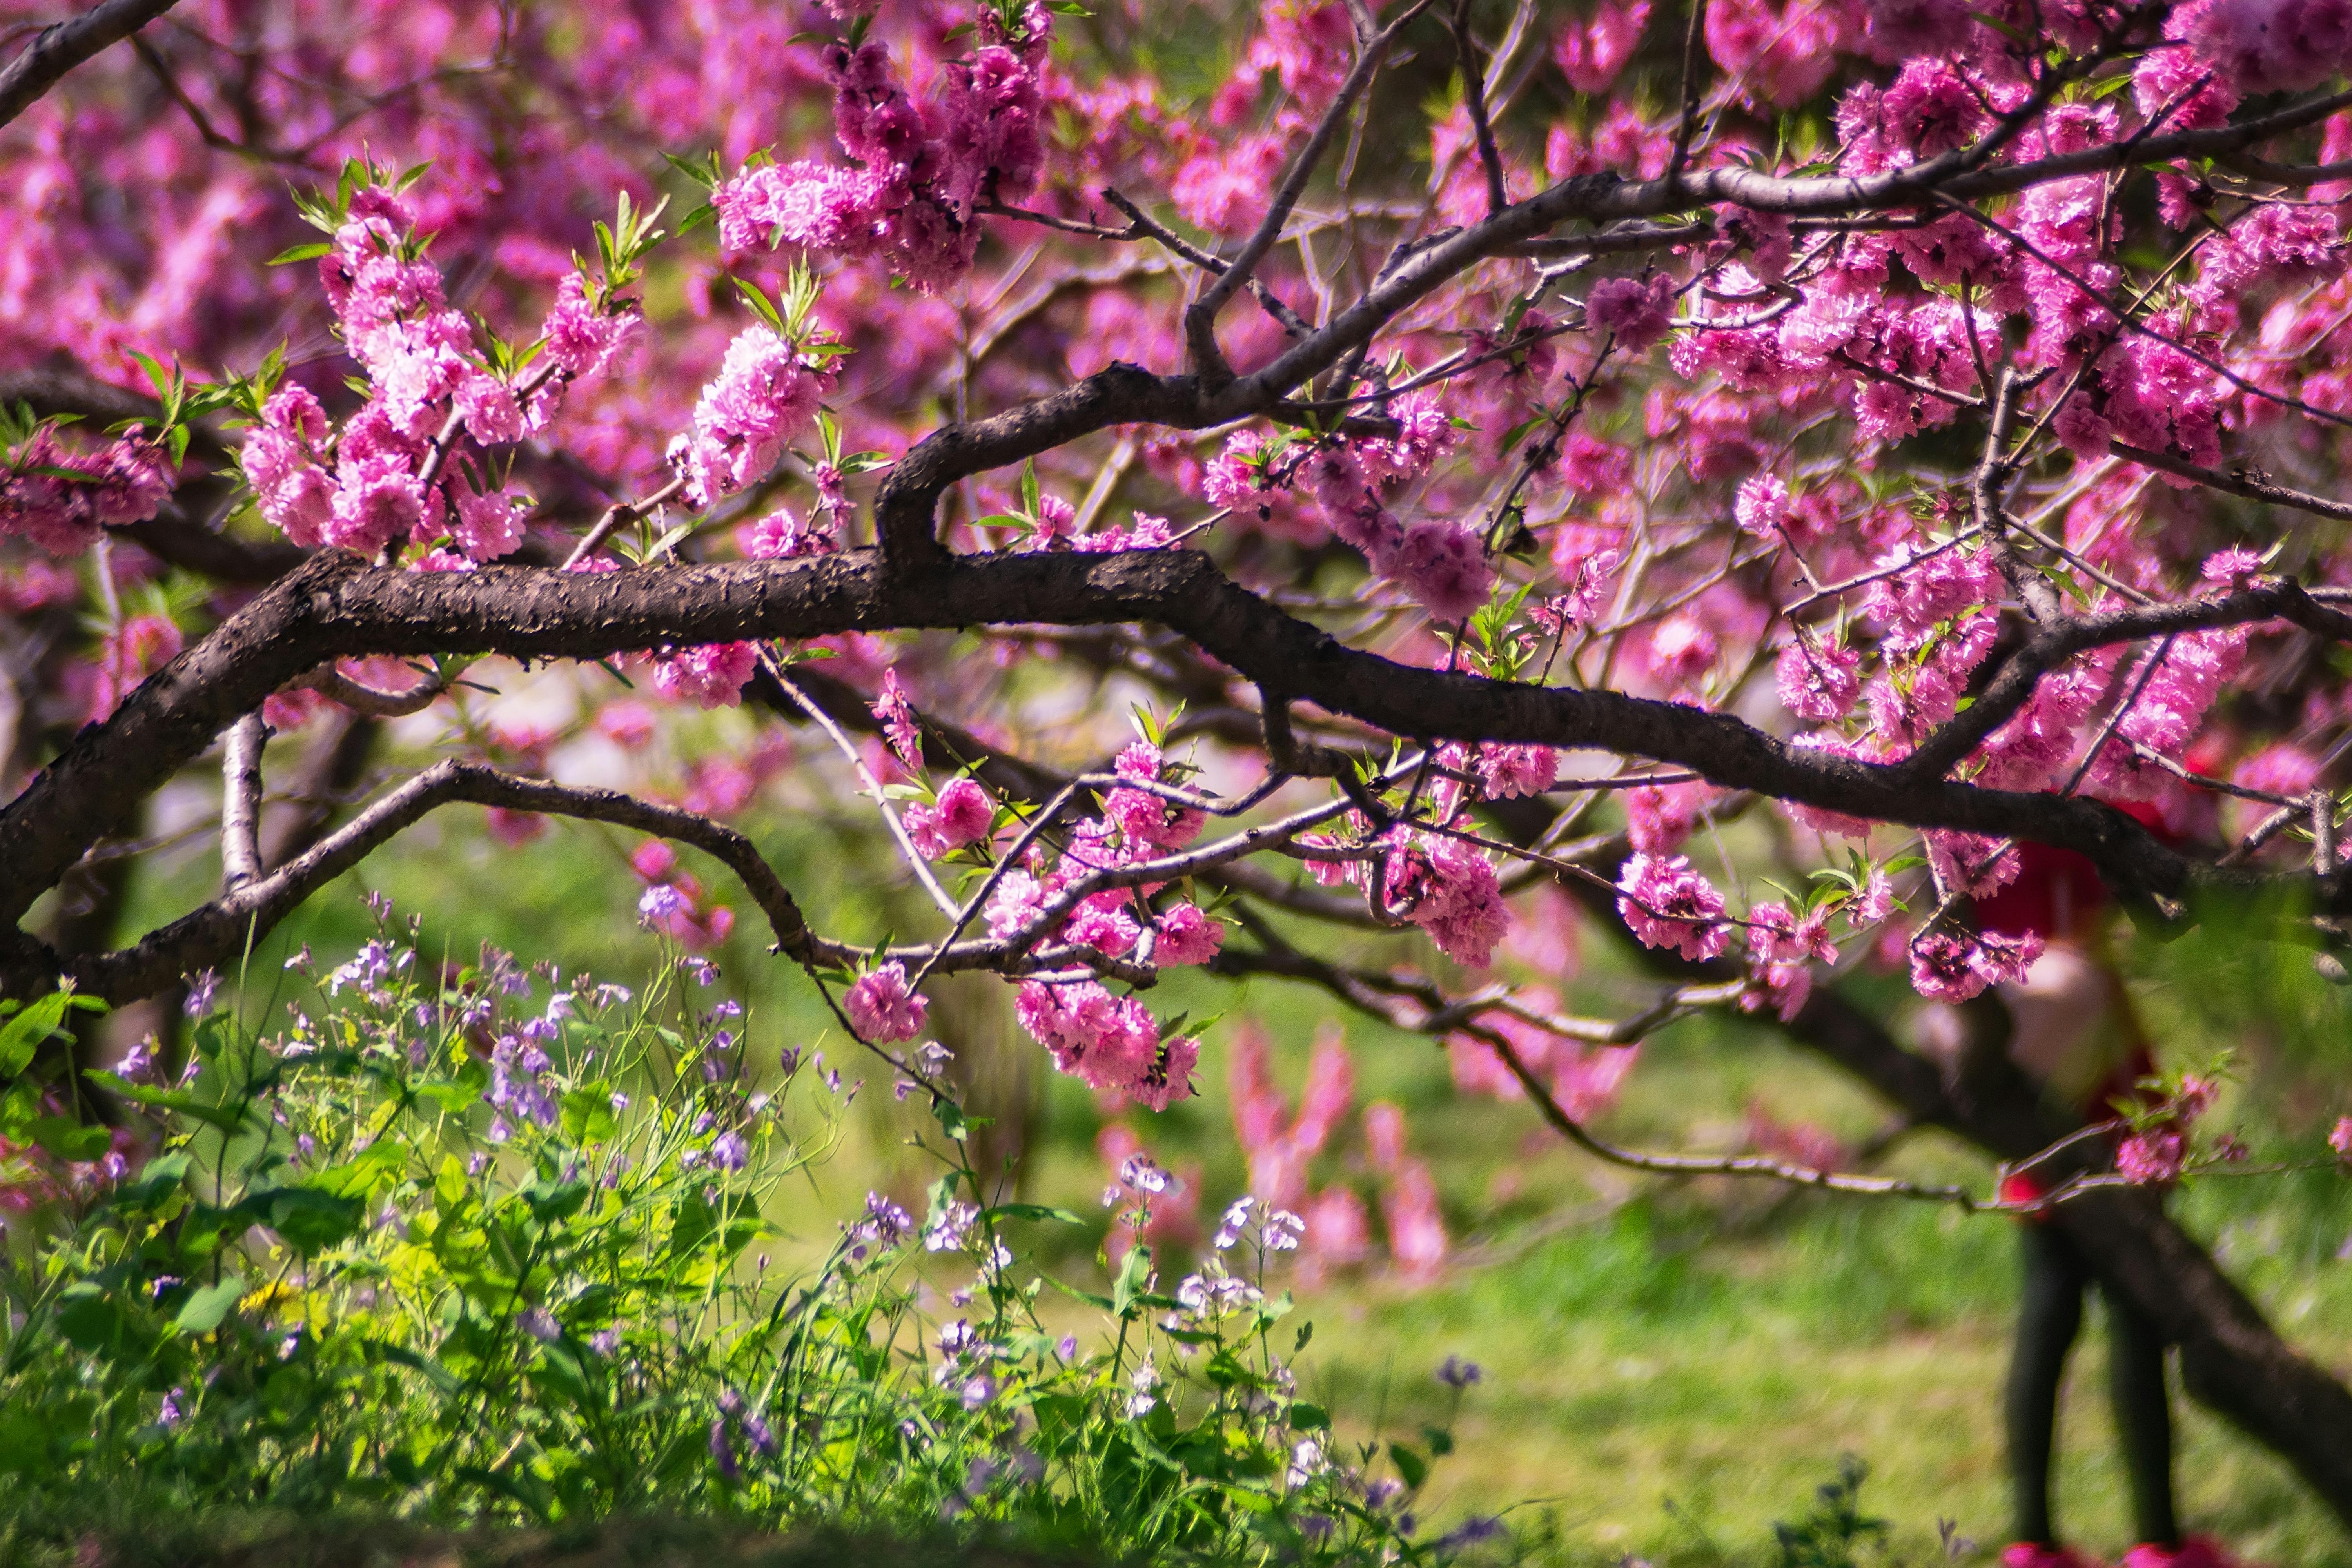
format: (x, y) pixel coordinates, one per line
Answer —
(1670, 1370)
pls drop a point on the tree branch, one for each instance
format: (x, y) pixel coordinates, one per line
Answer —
(59, 48)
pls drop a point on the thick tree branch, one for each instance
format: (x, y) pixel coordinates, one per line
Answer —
(337, 606)
(59, 48)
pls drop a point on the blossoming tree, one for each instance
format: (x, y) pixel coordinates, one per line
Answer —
(1917, 425)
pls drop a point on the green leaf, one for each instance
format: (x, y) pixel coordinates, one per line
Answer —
(952, 1121)
(21, 1036)
(69, 1139)
(1035, 1211)
(1409, 1465)
(553, 1201)
(89, 1318)
(1088, 1297)
(201, 1312)
(431, 1371)
(226, 1119)
(588, 1113)
(159, 1180)
(309, 1220)
(311, 252)
(1309, 1417)
(1134, 1279)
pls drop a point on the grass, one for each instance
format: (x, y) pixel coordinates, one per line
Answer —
(1669, 1369)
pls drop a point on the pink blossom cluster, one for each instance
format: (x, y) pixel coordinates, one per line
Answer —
(1666, 902)
(962, 815)
(711, 676)
(62, 499)
(368, 487)
(1443, 884)
(925, 168)
(764, 395)
(1781, 948)
(1109, 1042)
(1952, 966)
(1283, 1147)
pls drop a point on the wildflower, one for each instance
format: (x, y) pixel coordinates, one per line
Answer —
(722, 1451)
(660, 903)
(2340, 1137)
(201, 987)
(1145, 1379)
(1282, 1230)
(172, 1415)
(1140, 1173)
(948, 1232)
(1306, 1461)
(1459, 1373)
(727, 1151)
(604, 1341)
(1229, 1229)
(1469, 1533)
(977, 1391)
(1067, 1347)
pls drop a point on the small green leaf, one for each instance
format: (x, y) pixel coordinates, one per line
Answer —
(1035, 1211)
(1134, 1279)
(201, 1312)
(1410, 1466)
(293, 254)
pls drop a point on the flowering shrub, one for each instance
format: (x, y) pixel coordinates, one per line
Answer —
(493, 1243)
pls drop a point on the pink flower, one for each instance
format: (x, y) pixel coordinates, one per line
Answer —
(1668, 904)
(881, 1007)
(2152, 1158)
(896, 716)
(1762, 505)
(1658, 817)
(1187, 936)
(1819, 683)
(579, 339)
(1636, 313)
(625, 723)
(654, 860)
(1443, 565)
(1952, 967)
(2339, 1138)
(1505, 771)
(961, 816)
(377, 500)
(1590, 53)
(1015, 905)
(487, 526)
(1461, 906)
(712, 676)
(1107, 1042)
(781, 536)
(763, 397)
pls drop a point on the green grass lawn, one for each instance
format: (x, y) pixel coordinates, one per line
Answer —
(1668, 1368)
